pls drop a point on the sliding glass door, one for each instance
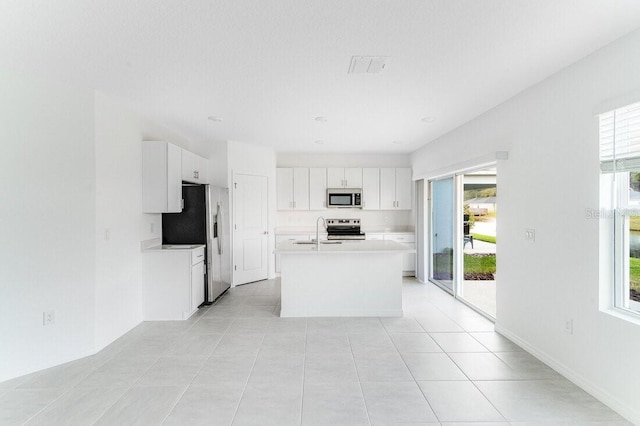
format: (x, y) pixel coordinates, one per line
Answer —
(462, 237)
(442, 232)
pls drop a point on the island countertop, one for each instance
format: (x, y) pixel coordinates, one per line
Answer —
(328, 247)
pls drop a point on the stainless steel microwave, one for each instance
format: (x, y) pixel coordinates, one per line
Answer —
(344, 198)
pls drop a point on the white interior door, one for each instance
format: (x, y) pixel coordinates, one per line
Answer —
(250, 242)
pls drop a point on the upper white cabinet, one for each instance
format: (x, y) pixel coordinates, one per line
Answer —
(395, 189)
(292, 187)
(194, 167)
(317, 188)
(161, 177)
(344, 177)
(371, 189)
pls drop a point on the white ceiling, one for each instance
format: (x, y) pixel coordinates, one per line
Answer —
(268, 68)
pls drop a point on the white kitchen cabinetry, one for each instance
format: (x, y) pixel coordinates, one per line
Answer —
(395, 189)
(370, 236)
(371, 189)
(409, 259)
(292, 187)
(161, 177)
(194, 167)
(173, 283)
(344, 177)
(317, 188)
(197, 285)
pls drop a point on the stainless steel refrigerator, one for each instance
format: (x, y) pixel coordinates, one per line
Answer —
(204, 220)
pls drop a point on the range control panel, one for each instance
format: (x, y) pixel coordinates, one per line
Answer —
(343, 222)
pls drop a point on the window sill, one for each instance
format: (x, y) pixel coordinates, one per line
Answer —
(623, 314)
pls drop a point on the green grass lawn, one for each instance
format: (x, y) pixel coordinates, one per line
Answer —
(634, 223)
(485, 238)
(480, 264)
(634, 273)
(473, 264)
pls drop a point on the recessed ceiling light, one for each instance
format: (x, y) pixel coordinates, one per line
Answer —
(321, 119)
(428, 119)
(319, 142)
(214, 118)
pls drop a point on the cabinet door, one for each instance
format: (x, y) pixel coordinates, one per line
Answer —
(161, 177)
(317, 188)
(335, 177)
(403, 189)
(174, 179)
(197, 285)
(301, 189)
(201, 169)
(353, 177)
(371, 189)
(387, 188)
(409, 259)
(188, 166)
(284, 188)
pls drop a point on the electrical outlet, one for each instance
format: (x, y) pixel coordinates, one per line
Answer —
(48, 317)
(568, 326)
(530, 235)
(152, 227)
(107, 234)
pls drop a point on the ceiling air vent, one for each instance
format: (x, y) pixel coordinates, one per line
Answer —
(368, 64)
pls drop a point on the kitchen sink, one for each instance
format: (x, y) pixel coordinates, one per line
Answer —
(314, 243)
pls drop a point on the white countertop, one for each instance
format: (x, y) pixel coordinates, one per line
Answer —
(175, 247)
(360, 246)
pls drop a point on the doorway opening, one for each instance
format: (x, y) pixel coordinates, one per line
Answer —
(479, 201)
(463, 238)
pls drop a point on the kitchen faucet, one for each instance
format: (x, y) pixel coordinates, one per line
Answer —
(318, 230)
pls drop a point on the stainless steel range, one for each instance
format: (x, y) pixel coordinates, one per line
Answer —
(344, 229)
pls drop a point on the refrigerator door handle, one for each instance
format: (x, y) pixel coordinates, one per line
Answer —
(219, 233)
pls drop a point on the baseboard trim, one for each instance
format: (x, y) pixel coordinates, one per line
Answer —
(594, 390)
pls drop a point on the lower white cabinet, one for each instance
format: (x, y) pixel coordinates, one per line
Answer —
(197, 285)
(407, 238)
(173, 283)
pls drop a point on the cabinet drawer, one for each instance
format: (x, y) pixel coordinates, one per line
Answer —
(374, 236)
(401, 237)
(197, 255)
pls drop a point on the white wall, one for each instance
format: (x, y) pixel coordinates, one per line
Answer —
(550, 178)
(118, 282)
(47, 223)
(244, 158)
(218, 173)
(289, 159)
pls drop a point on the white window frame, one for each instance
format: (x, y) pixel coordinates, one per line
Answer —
(619, 156)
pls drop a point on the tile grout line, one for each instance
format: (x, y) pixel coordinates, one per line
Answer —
(355, 365)
(175, 404)
(411, 373)
(465, 374)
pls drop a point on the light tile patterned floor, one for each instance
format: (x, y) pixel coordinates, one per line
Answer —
(238, 363)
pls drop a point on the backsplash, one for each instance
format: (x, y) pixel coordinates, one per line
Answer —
(370, 218)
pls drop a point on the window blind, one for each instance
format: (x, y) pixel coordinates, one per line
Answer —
(620, 139)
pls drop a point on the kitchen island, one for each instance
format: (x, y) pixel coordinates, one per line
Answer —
(348, 279)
